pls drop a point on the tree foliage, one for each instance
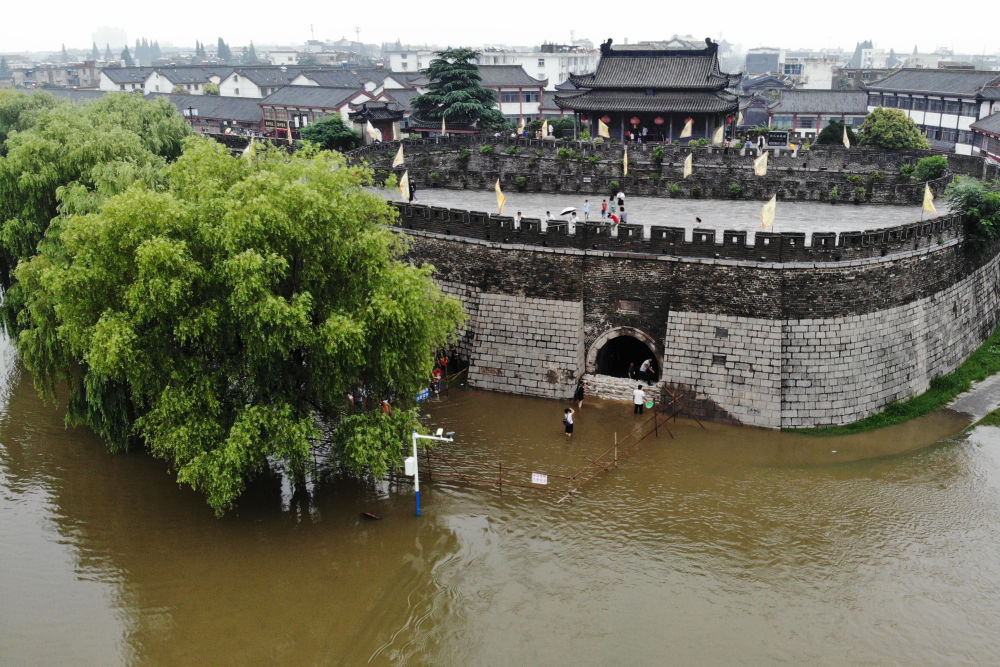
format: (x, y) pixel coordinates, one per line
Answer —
(455, 90)
(979, 204)
(833, 134)
(891, 128)
(18, 112)
(221, 318)
(212, 88)
(250, 55)
(931, 167)
(332, 134)
(69, 159)
(223, 52)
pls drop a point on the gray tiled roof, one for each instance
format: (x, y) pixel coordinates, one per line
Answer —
(311, 96)
(188, 74)
(989, 124)
(821, 101)
(657, 69)
(215, 107)
(495, 76)
(403, 97)
(127, 74)
(338, 78)
(661, 102)
(268, 76)
(967, 83)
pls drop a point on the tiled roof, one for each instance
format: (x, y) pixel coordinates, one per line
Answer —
(215, 107)
(79, 96)
(549, 97)
(403, 97)
(268, 76)
(989, 124)
(495, 76)
(377, 111)
(657, 69)
(992, 93)
(821, 101)
(967, 83)
(186, 74)
(661, 102)
(127, 74)
(338, 78)
(310, 96)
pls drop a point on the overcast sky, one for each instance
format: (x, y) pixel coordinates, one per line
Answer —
(970, 28)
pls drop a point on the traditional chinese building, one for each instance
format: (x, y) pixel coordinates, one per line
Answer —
(653, 91)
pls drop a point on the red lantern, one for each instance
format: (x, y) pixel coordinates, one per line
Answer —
(658, 120)
(606, 120)
(583, 118)
(634, 120)
(730, 118)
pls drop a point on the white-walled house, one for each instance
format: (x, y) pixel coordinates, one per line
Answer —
(123, 79)
(552, 63)
(256, 82)
(943, 103)
(283, 57)
(183, 80)
(293, 107)
(520, 94)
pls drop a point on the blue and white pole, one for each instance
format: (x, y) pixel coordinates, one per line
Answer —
(416, 474)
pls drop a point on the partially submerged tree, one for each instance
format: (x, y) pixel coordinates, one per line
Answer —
(221, 319)
(891, 128)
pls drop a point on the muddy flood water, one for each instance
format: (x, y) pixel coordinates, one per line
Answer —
(715, 546)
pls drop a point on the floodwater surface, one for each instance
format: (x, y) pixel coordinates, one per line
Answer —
(714, 545)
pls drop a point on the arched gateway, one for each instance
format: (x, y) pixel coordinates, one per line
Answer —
(613, 351)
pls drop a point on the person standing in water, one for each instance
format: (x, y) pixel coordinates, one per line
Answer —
(568, 421)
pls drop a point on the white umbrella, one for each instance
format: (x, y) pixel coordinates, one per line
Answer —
(568, 210)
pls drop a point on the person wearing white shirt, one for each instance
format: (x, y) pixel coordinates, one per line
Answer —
(638, 400)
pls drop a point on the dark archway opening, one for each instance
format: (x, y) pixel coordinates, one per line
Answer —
(614, 358)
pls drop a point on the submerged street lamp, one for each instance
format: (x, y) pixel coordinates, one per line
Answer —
(410, 463)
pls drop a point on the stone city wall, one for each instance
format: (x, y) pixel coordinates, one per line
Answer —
(767, 344)
(859, 174)
(718, 244)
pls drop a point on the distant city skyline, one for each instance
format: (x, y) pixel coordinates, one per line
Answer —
(435, 23)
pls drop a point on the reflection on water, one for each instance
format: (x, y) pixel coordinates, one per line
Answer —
(720, 545)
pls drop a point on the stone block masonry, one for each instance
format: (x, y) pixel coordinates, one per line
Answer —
(776, 345)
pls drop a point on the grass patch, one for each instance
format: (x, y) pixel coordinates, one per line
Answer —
(983, 363)
(992, 419)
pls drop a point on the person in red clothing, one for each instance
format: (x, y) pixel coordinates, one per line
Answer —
(604, 208)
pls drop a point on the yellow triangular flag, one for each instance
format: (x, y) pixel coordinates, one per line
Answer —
(688, 162)
(520, 128)
(602, 129)
(688, 127)
(395, 131)
(398, 160)
(545, 128)
(404, 185)
(717, 138)
(739, 118)
(625, 163)
(443, 128)
(249, 151)
(372, 132)
(760, 165)
(767, 213)
(929, 199)
(847, 141)
(501, 200)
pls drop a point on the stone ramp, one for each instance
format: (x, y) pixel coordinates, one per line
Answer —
(982, 399)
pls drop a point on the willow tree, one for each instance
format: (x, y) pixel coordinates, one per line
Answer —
(231, 311)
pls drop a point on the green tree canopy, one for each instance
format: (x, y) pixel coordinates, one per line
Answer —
(931, 167)
(250, 55)
(223, 52)
(979, 203)
(18, 112)
(221, 319)
(71, 158)
(212, 88)
(331, 134)
(455, 90)
(126, 57)
(833, 134)
(891, 128)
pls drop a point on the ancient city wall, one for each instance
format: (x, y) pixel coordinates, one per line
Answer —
(769, 344)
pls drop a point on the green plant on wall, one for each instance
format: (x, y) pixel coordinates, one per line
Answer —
(658, 156)
(906, 172)
(674, 190)
(486, 149)
(859, 194)
(513, 150)
(735, 190)
(521, 183)
(931, 167)
(834, 194)
(696, 192)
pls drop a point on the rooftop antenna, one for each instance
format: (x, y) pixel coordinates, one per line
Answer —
(357, 34)
(312, 32)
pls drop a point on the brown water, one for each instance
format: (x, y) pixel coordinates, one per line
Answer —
(718, 546)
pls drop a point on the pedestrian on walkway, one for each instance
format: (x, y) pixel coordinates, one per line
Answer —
(604, 208)
(578, 394)
(586, 210)
(638, 399)
(568, 421)
(413, 190)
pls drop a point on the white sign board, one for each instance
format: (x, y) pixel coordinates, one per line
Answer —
(539, 478)
(410, 466)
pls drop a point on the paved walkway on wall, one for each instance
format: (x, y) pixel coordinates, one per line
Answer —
(805, 217)
(982, 399)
